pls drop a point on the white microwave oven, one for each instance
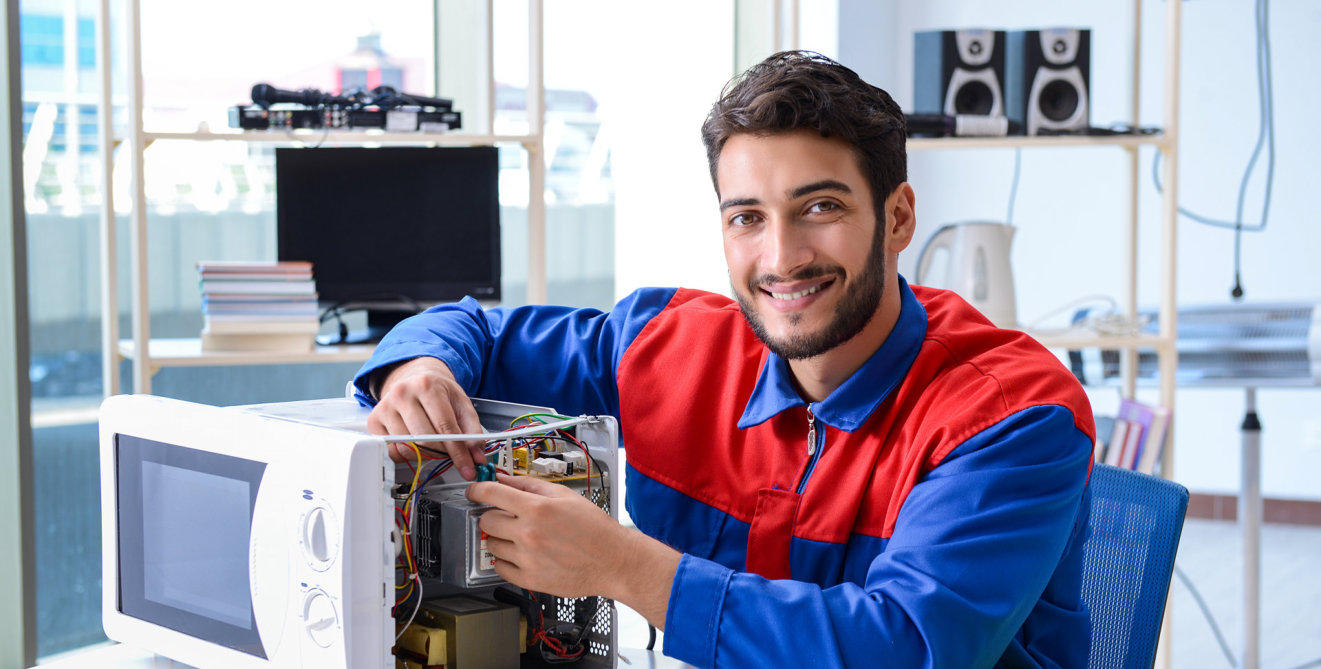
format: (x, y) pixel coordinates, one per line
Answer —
(266, 536)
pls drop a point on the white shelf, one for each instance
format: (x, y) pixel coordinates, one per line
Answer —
(189, 353)
(323, 137)
(148, 354)
(1158, 140)
(1082, 338)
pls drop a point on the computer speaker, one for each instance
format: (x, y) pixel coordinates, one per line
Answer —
(959, 72)
(1046, 79)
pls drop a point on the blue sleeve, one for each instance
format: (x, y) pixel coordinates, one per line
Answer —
(974, 546)
(546, 355)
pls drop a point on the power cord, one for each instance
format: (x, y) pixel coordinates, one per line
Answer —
(1265, 137)
(1215, 628)
(1206, 613)
(338, 309)
(1109, 322)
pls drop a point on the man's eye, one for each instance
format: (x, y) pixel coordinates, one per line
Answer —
(822, 207)
(740, 220)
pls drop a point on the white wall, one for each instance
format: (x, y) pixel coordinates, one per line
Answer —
(678, 57)
(1071, 202)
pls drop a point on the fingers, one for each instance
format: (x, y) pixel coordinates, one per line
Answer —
(421, 396)
(498, 495)
(451, 412)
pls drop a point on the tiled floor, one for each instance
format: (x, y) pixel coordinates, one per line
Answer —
(1210, 555)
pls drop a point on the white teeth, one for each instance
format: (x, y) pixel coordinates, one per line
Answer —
(801, 293)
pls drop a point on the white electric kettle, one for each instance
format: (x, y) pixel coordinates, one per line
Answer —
(975, 265)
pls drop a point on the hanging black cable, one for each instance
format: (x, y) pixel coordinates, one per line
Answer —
(1265, 139)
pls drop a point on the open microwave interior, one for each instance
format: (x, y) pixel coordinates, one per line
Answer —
(282, 535)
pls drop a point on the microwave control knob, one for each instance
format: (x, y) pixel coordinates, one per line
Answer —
(318, 538)
(320, 618)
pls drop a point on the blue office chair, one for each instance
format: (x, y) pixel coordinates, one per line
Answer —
(1128, 559)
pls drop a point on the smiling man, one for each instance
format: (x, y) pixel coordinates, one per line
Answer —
(835, 468)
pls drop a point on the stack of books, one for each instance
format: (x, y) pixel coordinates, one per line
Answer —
(1135, 437)
(258, 306)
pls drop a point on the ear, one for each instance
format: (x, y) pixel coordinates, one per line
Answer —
(900, 218)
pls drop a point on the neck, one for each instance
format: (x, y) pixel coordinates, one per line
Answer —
(819, 376)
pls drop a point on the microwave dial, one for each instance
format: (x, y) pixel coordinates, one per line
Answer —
(319, 537)
(320, 619)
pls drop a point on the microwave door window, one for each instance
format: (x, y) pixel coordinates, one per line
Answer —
(185, 522)
(195, 542)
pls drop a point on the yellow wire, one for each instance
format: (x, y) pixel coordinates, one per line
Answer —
(408, 537)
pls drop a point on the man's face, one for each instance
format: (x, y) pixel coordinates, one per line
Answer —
(804, 248)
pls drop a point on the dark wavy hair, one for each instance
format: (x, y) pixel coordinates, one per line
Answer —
(792, 90)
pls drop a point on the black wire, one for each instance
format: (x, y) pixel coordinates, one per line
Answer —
(366, 302)
(1206, 613)
(1265, 137)
(651, 636)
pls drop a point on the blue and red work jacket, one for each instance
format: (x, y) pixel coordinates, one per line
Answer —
(929, 513)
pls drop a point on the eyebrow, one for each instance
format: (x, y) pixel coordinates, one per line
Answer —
(825, 184)
(741, 202)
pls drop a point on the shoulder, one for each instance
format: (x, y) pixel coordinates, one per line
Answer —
(684, 304)
(692, 316)
(994, 371)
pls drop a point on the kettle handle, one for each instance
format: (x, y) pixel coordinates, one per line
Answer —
(932, 242)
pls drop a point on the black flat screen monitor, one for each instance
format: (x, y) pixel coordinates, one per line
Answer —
(391, 227)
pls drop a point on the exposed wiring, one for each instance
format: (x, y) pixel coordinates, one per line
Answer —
(1265, 138)
(412, 581)
(540, 418)
(560, 642)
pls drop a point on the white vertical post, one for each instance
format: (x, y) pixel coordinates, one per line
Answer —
(1249, 520)
(1169, 315)
(535, 146)
(109, 243)
(1129, 357)
(1168, 357)
(138, 214)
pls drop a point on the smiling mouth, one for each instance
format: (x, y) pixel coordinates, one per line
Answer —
(802, 293)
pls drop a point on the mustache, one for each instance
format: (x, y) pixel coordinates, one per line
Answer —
(809, 272)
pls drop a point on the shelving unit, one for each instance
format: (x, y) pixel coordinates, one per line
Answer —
(1165, 141)
(147, 354)
(1164, 342)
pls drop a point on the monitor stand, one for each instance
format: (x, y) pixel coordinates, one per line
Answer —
(379, 322)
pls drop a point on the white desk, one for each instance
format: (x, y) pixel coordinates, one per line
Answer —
(120, 656)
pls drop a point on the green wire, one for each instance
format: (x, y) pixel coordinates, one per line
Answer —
(539, 417)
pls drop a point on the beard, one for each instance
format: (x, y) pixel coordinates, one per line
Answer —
(854, 312)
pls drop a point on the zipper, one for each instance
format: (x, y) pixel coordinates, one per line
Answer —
(815, 444)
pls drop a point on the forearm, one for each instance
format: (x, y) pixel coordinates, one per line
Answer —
(644, 577)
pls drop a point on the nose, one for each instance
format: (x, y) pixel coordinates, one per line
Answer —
(785, 248)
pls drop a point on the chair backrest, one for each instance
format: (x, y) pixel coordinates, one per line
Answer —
(1128, 559)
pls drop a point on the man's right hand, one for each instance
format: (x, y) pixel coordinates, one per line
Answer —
(420, 396)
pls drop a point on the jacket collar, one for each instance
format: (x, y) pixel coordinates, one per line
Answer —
(852, 403)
